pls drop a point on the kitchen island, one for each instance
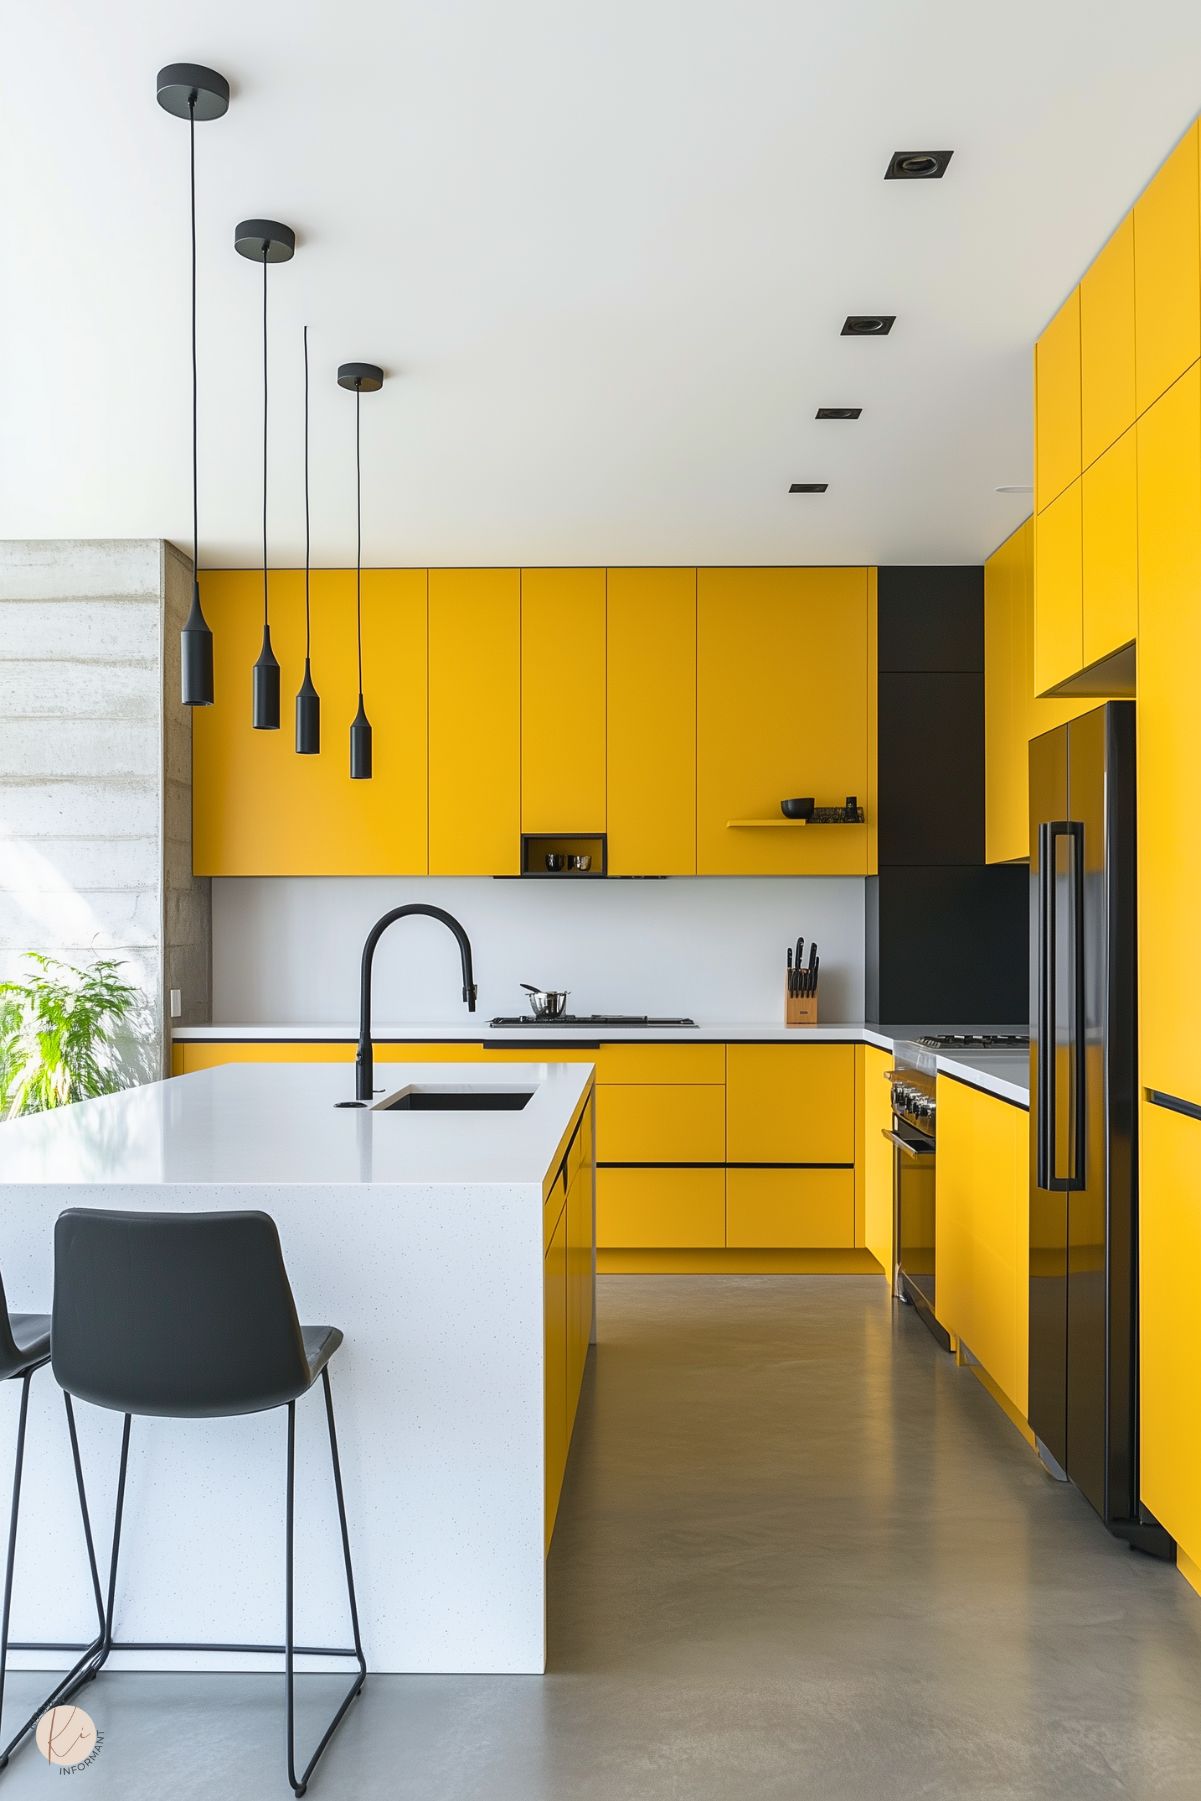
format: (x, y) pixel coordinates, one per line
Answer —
(455, 1250)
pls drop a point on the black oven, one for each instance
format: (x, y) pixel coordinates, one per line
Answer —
(912, 1139)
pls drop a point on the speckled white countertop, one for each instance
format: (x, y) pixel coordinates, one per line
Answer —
(279, 1124)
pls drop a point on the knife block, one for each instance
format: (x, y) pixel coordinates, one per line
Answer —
(799, 1009)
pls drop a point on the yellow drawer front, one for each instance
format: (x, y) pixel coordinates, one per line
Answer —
(790, 1209)
(661, 1209)
(661, 1063)
(649, 1124)
(211, 1055)
(790, 1103)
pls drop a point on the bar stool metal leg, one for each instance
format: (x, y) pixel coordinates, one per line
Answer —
(81, 1670)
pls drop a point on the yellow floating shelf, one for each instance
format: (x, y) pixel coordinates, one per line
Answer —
(730, 823)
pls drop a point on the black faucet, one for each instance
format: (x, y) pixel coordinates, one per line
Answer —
(364, 1063)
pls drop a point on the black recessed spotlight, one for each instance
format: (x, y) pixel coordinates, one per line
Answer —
(917, 165)
(838, 412)
(808, 487)
(867, 325)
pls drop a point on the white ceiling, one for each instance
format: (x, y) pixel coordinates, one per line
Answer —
(603, 252)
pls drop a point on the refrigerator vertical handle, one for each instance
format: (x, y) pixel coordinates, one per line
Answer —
(1046, 1174)
(1045, 1010)
(1074, 832)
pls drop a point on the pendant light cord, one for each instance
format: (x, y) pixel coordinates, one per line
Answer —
(307, 634)
(265, 249)
(195, 383)
(358, 541)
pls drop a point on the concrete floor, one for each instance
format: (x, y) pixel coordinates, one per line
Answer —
(800, 1554)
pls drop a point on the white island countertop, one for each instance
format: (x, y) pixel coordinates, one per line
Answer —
(422, 1236)
(279, 1124)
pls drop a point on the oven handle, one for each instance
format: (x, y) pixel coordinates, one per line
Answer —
(902, 1144)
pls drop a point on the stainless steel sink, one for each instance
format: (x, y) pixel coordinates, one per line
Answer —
(457, 1100)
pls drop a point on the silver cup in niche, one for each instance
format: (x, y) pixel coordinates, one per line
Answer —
(555, 861)
(579, 862)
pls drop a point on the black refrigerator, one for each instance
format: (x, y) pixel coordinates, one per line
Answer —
(1083, 1115)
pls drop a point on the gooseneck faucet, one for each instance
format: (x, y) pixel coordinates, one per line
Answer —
(364, 1063)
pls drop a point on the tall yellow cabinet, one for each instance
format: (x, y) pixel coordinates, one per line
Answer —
(651, 740)
(562, 700)
(474, 721)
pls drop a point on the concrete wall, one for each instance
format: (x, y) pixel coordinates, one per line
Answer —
(95, 770)
(287, 949)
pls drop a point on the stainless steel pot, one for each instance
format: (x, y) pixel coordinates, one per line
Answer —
(546, 1003)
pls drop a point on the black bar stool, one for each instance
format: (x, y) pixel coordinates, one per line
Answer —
(25, 1349)
(191, 1316)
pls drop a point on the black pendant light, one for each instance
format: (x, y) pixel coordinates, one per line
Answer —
(265, 241)
(308, 701)
(360, 378)
(190, 91)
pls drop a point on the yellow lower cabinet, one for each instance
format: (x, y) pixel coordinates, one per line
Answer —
(554, 1325)
(982, 1244)
(873, 1161)
(661, 1209)
(790, 1209)
(661, 1124)
(211, 1054)
(790, 1103)
(1170, 1322)
(579, 1282)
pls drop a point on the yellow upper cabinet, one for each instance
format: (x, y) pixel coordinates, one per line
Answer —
(1169, 738)
(1110, 538)
(563, 700)
(1107, 385)
(783, 709)
(651, 742)
(1057, 403)
(474, 721)
(1006, 784)
(1058, 591)
(258, 808)
(1167, 286)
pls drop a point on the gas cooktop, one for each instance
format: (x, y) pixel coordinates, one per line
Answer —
(588, 1019)
(975, 1041)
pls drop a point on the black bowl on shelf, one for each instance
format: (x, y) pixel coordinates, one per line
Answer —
(798, 809)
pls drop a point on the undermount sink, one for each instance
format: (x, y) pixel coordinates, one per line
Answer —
(457, 1100)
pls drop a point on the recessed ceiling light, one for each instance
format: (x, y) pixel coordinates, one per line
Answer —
(808, 487)
(1013, 488)
(867, 325)
(918, 165)
(838, 412)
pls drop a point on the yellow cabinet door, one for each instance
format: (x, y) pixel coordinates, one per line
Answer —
(661, 1125)
(1170, 1323)
(1167, 287)
(873, 1164)
(554, 1353)
(982, 1231)
(782, 710)
(1058, 591)
(474, 721)
(790, 1103)
(1057, 403)
(1006, 783)
(1169, 737)
(1107, 386)
(258, 808)
(579, 1282)
(1110, 539)
(651, 742)
(790, 1209)
(562, 700)
(660, 1209)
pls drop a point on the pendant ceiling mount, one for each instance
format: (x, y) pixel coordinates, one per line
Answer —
(189, 90)
(265, 240)
(362, 378)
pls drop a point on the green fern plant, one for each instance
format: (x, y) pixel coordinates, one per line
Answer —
(57, 1034)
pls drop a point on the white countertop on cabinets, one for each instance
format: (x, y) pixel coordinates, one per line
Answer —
(279, 1124)
(1003, 1073)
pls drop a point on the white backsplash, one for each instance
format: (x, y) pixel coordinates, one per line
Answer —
(286, 949)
